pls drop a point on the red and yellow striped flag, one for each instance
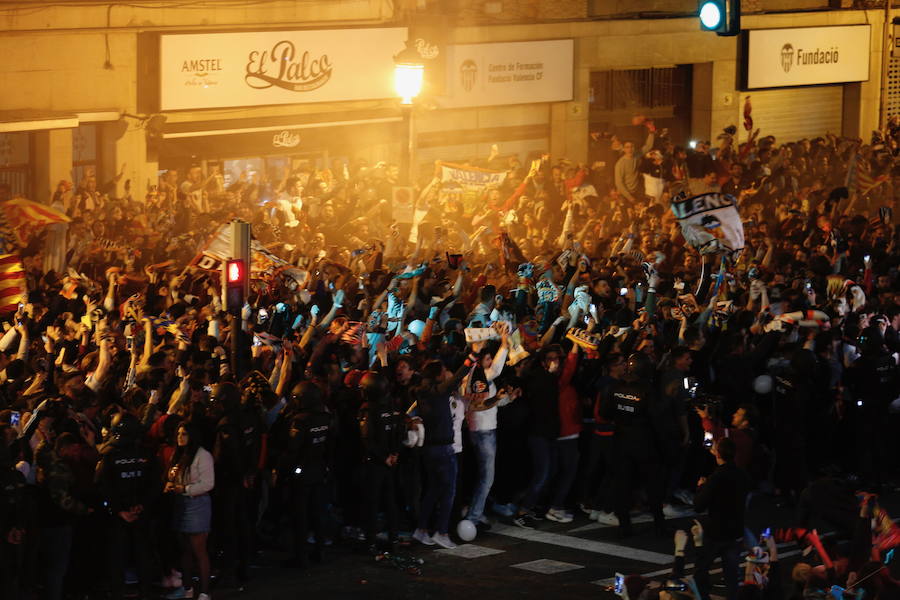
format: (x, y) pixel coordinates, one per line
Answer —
(13, 287)
(20, 211)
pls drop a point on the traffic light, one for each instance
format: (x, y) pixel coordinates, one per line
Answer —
(721, 16)
(235, 284)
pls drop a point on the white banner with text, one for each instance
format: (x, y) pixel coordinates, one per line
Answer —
(807, 56)
(217, 70)
(509, 73)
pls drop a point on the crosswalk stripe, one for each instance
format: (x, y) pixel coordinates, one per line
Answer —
(641, 518)
(566, 541)
(546, 566)
(610, 580)
(470, 551)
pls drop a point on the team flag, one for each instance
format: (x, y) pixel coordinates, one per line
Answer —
(13, 287)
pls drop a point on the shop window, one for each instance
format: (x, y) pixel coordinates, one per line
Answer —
(659, 93)
(640, 88)
(84, 153)
(15, 165)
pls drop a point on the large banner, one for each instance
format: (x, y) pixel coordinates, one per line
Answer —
(215, 70)
(710, 223)
(807, 56)
(218, 251)
(510, 73)
(470, 181)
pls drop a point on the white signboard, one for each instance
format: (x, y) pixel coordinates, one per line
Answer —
(218, 70)
(807, 56)
(511, 73)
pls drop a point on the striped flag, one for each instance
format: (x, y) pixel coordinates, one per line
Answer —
(859, 176)
(851, 181)
(26, 217)
(748, 112)
(13, 287)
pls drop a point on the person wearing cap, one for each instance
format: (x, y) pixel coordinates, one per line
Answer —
(302, 471)
(128, 476)
(432, 397)
(381, 431)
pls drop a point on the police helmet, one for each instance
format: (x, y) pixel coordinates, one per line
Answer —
(870, 341)
(373, 385)
(125, 427)
(306, 395)
(639, 367)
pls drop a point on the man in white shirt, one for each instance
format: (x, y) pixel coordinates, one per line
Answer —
(480, 394)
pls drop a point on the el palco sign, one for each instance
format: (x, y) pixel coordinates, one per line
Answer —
(807, 56)
(218, 70)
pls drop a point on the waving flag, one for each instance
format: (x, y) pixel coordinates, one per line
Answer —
(748, 115)
(213, 256)
(13, 287)
(25, 218)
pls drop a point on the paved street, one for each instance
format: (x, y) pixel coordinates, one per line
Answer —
(575, 560)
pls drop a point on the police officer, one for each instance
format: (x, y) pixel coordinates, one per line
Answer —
(635, 450)
(129, 480)
(382, 430)
(874, 384)
(303, 469)
(236, 455)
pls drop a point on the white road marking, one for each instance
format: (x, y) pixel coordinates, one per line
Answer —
(470, 551)
(546, 566)
(626, 552)
(609, 581)
(641, 518)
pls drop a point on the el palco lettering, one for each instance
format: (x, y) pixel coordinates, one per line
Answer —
(281, 67)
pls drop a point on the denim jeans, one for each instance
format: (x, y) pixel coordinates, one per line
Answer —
(730, 553)
(56, 543)
(566, 455)
(485, 444)
(440, 469)
(541, 452)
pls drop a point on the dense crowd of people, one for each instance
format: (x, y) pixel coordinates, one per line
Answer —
(524, 352)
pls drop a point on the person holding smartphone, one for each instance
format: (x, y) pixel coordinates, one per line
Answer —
(190, 479)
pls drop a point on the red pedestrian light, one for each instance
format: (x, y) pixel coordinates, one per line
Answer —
(235, 271)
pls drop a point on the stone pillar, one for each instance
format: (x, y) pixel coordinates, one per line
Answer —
(52, 161)
(123, 142)
(569, 122)
(714, 99)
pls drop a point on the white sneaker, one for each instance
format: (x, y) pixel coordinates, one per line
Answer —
(560, 516)
(179, 593)
(422, 536)
(607, 518)
(443, 540)
(671, 512)
(203, 597)
(685, 496)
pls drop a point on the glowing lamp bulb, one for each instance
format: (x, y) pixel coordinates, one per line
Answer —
(408, 80)
(711, 15)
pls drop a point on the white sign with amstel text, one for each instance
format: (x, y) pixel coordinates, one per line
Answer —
(807, 56)
(509, 73)
(217, 70)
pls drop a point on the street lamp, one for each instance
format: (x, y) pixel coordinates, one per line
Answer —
(409, 71)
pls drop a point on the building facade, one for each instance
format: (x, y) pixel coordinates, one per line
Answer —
(95, 87)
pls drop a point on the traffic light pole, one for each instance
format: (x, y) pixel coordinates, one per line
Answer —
(240, 249)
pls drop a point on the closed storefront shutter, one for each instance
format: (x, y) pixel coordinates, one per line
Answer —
(794, 113)
(893, 92)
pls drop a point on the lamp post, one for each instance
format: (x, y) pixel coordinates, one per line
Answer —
(409, 71)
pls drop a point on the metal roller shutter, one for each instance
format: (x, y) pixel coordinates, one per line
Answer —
(794, 113)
